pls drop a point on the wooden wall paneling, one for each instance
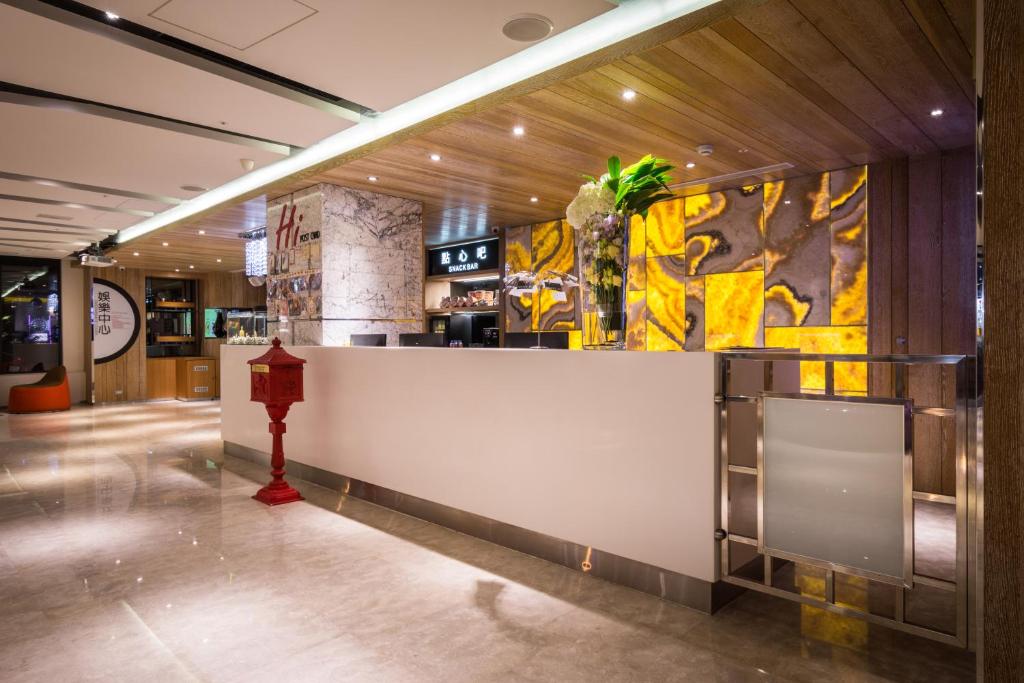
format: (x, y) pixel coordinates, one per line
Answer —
(921, 293)
(959, 265)
(226, 290)
(1002, 647)
(900, 255)
(87, 336)
(959, 309)
(160, 378)
(124, 378)
(924, 320)
(880, 273)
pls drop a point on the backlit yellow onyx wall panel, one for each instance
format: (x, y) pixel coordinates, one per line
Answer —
(666, 235)
(519, 257)
(849, 246)
(552, 253)
(666, 303)
(782, 264)
(724, 231)
(850, 377)
(733, 310)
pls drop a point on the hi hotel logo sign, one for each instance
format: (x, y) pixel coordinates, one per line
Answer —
(291, 230)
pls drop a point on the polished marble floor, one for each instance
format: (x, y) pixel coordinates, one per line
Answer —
(131, 551)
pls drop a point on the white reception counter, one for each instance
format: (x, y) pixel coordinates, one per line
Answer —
(612, 451)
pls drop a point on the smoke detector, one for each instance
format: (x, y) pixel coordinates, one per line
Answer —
(705, 150)
(527, 28)
(247, 164)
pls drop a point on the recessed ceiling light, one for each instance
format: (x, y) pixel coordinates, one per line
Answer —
(435, 157)
(177, 270)
(372, 178)
(135, 253)
(165, 244)
(534, 199)
(690, 164)
(202, 232)
(786, 201)
(527, 28)
(113, 261)
(628, 94)
(194, 188)
(218, 260)
(191, 266)
(518, 130)
(112, 16)
(936, 113)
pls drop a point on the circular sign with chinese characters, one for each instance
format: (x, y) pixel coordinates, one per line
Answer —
(115, 321)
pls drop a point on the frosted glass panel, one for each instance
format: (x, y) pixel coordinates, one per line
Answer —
(833, 482)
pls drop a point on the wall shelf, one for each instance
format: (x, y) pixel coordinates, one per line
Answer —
(462, 309)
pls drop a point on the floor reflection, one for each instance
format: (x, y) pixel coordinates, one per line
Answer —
(130, 550)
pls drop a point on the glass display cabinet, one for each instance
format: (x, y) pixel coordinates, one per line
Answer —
(170, 317)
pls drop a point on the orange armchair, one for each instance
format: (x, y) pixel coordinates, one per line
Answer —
(48, 394)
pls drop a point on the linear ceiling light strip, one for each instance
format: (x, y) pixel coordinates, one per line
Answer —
(749, 173)
(629, 19)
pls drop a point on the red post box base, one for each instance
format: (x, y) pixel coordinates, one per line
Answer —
(271, 495)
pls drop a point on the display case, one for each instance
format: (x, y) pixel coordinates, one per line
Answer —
(170, 317)
(246, 322)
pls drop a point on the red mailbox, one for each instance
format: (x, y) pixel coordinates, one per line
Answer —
(276, 381)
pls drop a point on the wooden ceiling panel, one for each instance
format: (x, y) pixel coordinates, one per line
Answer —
(814, 55)
(736, 103)
(798, 86)
(186, 247)
(882, 40)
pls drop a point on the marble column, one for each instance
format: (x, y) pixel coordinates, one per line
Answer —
(343, 261)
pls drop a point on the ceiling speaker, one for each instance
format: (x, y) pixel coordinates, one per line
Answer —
(527, 28)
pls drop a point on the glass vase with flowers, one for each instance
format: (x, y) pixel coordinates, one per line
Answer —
(600, 215)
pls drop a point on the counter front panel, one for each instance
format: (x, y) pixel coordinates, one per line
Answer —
(616, 451)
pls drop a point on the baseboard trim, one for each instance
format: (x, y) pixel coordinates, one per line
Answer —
(694, 593)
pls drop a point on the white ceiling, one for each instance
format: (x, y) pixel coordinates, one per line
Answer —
(378, 53)
(375, 53)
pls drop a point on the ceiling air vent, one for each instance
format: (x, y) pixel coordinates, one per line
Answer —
(527, 28)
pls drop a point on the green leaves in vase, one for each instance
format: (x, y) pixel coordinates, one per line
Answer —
(639, 186)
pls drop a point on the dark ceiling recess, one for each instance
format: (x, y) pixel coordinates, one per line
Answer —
(161, 38)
